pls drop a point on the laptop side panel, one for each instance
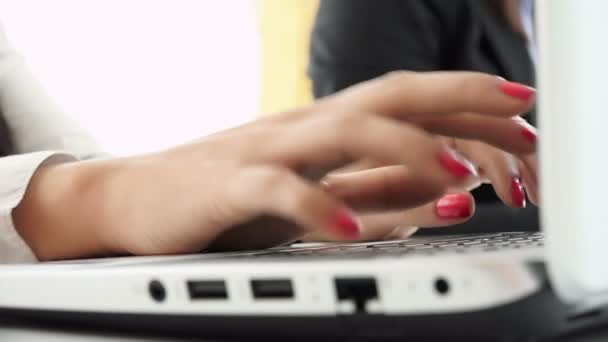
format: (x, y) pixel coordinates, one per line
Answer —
(573, 117)
(538, 314)
(390, 286)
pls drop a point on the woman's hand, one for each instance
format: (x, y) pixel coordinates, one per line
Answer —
(246, 187)
(509, 174)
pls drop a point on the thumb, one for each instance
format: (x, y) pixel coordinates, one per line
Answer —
(269, 190)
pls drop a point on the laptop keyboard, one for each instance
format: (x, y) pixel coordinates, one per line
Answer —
(461, 244)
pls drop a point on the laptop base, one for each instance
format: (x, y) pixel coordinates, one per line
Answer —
(536, 317)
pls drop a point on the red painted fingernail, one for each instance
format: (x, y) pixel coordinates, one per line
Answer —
(517, 90)
(517, 192)
(529, 135)
(455, 164)
(346, 224)
(457, 206)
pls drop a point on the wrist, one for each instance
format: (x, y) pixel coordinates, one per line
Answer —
(61, 215)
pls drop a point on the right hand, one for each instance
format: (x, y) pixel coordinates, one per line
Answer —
(509, 174)
(244, 188)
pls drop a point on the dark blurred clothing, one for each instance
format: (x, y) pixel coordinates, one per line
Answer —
(357, 40)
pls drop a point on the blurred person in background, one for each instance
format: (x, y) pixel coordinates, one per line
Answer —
(357, 40)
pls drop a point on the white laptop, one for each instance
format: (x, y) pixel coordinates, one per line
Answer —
(507, 285)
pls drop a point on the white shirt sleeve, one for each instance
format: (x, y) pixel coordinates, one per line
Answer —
(15, 174)
(41, 134)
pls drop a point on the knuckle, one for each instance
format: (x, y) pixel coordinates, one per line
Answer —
(424, 141)
(345, 119)
(393, 82)
(468, 87)
(285, 187)
(348, 122)
(303, 200)
(331, 127)
(472, 87)
(397, 76)
(269, 177)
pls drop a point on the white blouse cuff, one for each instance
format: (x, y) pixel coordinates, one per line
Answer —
(15, 174)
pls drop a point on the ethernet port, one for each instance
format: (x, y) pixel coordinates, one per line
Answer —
(358, 290)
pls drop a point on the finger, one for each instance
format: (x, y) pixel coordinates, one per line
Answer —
(500, 168)
(529, 132)
(387, 233)
(350, 137)
(529, 165)
(401, 233)
(513, 136)
(380, 225)
(404, 93)
(448, 210)
(374, 232)
(530, 183)
(268, 190)
(530, 161)
(360, 165)
(384, 188)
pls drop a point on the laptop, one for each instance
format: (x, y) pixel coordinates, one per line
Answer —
(487, 286)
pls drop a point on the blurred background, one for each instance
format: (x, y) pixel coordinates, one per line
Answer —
(173, 69)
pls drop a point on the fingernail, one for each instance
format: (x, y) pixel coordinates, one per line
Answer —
(517, 192)
(517, 90)
(457, 206)
(529, 135)
(346, 224)
(455, 163)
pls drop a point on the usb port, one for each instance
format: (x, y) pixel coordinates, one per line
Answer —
(207, 289)
(272, 289)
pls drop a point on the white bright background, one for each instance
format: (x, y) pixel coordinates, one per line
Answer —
(142, 74)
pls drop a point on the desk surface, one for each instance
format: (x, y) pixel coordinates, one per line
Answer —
(20, 331)
(11, 332)
(29, 334)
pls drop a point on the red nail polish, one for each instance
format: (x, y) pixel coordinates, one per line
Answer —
(518, 91)
(528, 135)
(457, 206)
(517, 192)
(451, 162)
(346, 224)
